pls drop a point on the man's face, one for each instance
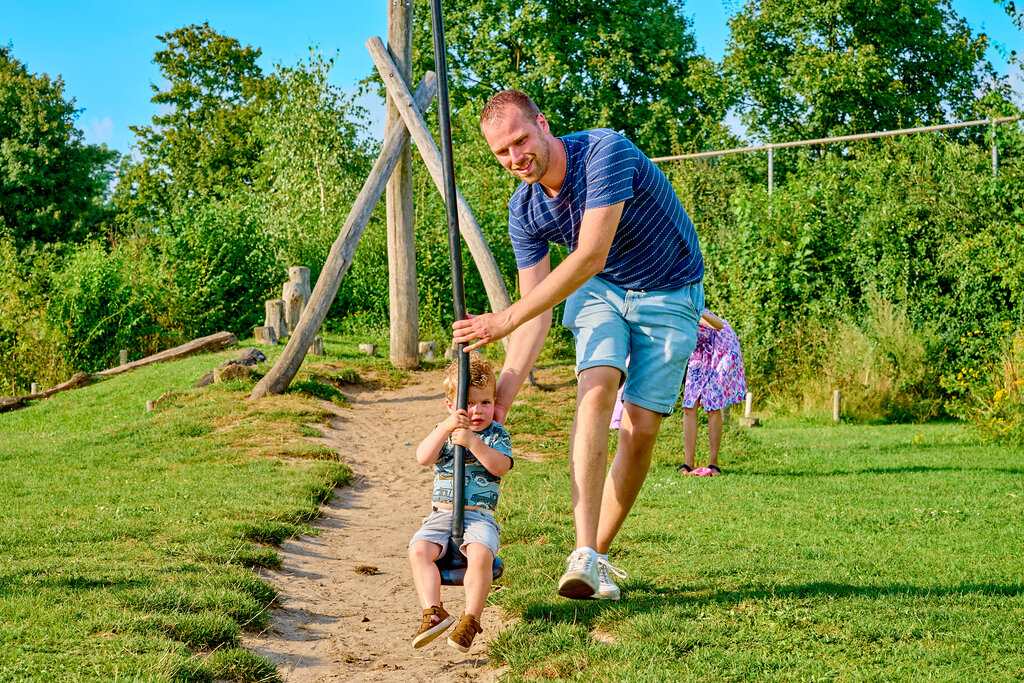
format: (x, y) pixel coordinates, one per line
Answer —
(521, 144)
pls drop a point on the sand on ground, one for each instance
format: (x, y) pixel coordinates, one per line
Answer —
(348, 608)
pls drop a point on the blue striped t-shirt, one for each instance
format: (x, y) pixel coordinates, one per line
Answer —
(655, 246)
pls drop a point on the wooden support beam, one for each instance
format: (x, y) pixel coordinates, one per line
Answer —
(403, 295)
(340, 256)
(497, 294)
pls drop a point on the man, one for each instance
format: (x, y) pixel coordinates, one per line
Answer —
(632, 286)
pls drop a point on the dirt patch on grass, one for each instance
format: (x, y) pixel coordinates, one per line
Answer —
(338, 621)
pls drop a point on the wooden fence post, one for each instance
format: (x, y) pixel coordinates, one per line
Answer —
(837, 399)
(123, 356)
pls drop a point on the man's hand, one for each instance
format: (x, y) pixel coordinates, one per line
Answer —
(478, 330)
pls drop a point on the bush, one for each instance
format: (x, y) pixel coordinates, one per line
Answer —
(988, 387)
(224, 264)
(103, 301)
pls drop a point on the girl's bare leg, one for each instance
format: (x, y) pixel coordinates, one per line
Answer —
(714, 435)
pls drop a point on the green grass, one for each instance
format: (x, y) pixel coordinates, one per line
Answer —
(825, 553)
(128, 538)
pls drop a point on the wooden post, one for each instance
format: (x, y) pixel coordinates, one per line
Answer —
(150, 405)
(837, 399)
(403, 295)
(33, 388)
(368, 349)
(295, 294)
(317, 347)
(428, 350)
(275, 317)
(771, 168)
(340, 256)
(123, 355)
(265, 335)
(749, 420)
(470, 230)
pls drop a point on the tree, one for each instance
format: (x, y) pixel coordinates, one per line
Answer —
(315, 156)
(630, 65)
(200, 145)
(819, 68)
(52, 184)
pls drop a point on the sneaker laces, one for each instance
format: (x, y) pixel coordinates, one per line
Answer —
(604, 567)
(580, 561)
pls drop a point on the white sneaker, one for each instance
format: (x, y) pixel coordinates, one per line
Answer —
(580, 579)
(607, 589)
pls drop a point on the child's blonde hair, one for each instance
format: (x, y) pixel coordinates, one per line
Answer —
(481, 374)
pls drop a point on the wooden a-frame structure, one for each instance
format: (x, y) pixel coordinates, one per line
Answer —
(404, 117)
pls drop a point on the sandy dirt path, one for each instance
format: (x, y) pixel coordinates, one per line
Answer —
(348, 607)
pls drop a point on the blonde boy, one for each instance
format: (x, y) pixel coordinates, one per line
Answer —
(488, 456)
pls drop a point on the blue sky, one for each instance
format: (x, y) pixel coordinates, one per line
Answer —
(104, 50)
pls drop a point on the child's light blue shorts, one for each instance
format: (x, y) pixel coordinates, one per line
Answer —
(478, 526)
(657, 330)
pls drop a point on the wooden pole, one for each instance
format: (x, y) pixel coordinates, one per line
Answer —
(123, 356)
(402, 292)
(837, 400)
(748, 404)
(497, 295)
(340, 256)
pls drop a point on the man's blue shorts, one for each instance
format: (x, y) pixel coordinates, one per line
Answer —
(656, 330)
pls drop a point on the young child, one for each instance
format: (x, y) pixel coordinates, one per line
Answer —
(714, 380)
(488, 456)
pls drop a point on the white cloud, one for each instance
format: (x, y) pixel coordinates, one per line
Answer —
(99, 131)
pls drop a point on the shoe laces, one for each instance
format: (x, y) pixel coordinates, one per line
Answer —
(580, 561)
(604, 568)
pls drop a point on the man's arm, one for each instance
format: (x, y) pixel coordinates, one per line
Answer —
(524, 344)
(597, 230)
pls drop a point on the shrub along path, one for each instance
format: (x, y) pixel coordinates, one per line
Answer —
(349, 608)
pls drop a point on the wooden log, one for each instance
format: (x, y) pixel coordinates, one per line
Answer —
(340, 256)
(213, 342)
(403, 295)
(264, 335)
(9, 403)
(317, 347)
(275, 317)
(470, 230)
(428, 350)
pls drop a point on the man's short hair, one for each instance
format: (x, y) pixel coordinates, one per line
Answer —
(498, 106)
(481, 374)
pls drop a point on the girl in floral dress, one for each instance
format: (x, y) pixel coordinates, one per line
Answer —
(714, 380)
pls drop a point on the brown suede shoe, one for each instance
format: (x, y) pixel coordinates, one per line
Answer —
(435, 622)
(462, 637)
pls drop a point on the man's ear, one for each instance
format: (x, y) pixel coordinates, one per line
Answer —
(542, 123)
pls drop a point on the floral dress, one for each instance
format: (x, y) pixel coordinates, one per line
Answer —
(715, 371)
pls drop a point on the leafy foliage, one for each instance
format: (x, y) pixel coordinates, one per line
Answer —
(809, 69)
(52, 185)
(315, 154)
(587, 64)
(200, 145)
